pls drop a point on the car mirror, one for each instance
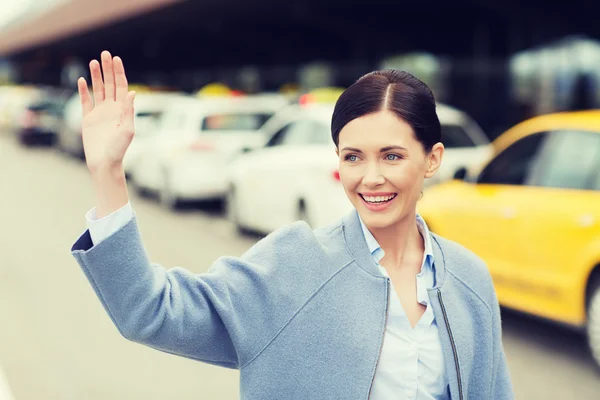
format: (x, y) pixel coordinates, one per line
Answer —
(460, 174)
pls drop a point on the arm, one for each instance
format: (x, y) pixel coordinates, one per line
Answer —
(107, 129)
(175, 311)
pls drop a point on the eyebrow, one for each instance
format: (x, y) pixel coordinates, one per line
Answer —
(382, 150)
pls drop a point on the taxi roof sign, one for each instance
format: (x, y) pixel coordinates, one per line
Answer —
(215, 89)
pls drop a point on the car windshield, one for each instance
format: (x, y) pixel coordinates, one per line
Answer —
(235, 122)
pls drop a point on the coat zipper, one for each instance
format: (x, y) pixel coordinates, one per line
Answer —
(387, 306)
(454, 352)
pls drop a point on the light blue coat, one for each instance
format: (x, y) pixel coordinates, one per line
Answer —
(301, 314)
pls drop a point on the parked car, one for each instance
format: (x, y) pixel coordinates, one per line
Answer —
(187, 158)
(41, 120)
(14, 100)
(149, 109)
(533, 214)
(293, 177)
(465, 142)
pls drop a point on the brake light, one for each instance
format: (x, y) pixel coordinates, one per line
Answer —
(336, 175)
(307, 99)
(29, 119)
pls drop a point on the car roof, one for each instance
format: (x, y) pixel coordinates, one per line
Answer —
(573, 120)
(446, 113)
(449, 115)
(155, 100)
(249, 103)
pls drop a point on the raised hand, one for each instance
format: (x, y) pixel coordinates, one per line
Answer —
(107, 124)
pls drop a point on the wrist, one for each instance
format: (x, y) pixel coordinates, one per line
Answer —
(107, 172)
(110, 186)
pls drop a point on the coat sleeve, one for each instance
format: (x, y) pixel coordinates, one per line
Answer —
(173, 310)
(222, 317)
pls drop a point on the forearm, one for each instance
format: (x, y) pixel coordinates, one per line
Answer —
(110, 189)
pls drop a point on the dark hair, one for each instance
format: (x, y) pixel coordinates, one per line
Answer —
(397, 91)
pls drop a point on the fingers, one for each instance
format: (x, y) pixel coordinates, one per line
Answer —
(109, 76)
(97, 84)
(120, 79)
(84, 95)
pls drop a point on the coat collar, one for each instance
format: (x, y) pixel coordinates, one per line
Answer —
(358, 248)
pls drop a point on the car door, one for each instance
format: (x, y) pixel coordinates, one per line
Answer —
(485, 216)
(559, 222)
(161, 148)
(254, 186)
(277, 176)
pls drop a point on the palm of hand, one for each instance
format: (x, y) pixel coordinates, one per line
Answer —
(107, 124)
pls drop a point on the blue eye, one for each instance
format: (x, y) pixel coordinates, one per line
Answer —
(392, 157)
(351, 157)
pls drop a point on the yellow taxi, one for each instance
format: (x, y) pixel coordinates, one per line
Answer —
(532, 213)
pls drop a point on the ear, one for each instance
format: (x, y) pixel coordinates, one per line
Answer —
(434, 159)
(337, 151)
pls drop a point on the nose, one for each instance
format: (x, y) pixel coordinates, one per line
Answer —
(373, 177)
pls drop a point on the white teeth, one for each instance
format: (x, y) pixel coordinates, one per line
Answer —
(378, 199)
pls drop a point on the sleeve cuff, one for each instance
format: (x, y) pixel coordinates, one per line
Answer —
(102, 228)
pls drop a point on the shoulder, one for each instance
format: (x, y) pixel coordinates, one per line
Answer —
(291, 240)
(467, 268)
(298, 243)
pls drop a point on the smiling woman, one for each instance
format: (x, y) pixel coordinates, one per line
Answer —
(310, 313)
(388, 137)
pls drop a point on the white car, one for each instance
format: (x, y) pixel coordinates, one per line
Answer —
(149, 108)
(295, 175)
(465, 142)
(187, 157)
(13, 104)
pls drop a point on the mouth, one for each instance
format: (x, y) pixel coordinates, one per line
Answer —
(378, 202)
(380, 199)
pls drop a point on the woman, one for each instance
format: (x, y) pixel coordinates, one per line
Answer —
(373, 307)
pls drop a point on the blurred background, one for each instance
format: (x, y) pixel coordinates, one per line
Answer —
(233, 141)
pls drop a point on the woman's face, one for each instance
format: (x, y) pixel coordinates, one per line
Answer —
(382, 167)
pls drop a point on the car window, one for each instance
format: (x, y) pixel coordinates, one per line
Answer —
(568, 160)
(596, 185)
(235, 122)
(299, 133)
(277, 137)
(147, 121)
(455, 136)
(514, 165)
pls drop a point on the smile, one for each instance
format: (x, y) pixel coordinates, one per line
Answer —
(378, 199)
